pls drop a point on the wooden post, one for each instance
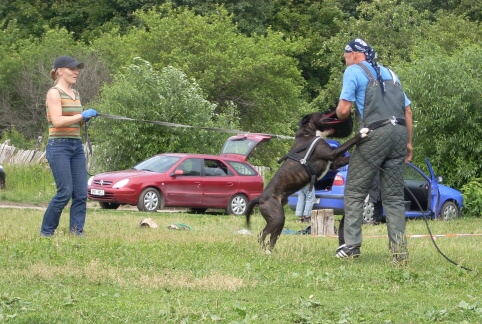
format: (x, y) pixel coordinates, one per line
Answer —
(322, 222)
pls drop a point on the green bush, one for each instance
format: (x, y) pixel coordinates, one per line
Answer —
(17, 139)
(472, 192)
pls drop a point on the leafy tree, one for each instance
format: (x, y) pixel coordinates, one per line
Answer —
(250, 16)
(142, 93)
(87, 19)
(471, 9)
(26, 79)
(445, 90)
(255, 74)
(403, 29)
(29, 15)
(349, 7)
(313, 22)
(450, 33)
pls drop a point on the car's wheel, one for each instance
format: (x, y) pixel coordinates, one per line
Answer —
(150, 200)
(449, 211)
(237, 205)
(198, 210)
(108, 205)
(368, 209)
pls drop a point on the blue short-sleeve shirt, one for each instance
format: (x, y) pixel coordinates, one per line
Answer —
(355, 84)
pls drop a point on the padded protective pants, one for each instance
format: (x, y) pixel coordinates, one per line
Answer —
(385, 148)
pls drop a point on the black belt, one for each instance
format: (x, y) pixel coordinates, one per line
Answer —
(383, 122)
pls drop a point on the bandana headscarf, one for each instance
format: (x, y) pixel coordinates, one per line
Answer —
(359, 45)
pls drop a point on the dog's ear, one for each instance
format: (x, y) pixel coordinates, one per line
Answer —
(305, 120)
(311, 118)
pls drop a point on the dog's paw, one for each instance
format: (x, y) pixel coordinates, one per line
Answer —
(364, 132)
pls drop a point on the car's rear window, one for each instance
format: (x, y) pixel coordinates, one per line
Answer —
(158, 163)
(243, 169)
(239, 147)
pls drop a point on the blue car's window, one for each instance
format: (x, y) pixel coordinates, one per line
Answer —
(158, 163)
(242, 168)
(412, 174)
(416, 190)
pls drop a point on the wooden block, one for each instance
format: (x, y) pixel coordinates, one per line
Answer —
(322, 222)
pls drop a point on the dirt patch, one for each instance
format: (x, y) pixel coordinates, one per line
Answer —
(7, 204)
(90, 204)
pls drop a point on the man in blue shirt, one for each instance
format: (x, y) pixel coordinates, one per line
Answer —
(383, 107)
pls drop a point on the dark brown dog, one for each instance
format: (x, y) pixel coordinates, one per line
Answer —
(292, 175)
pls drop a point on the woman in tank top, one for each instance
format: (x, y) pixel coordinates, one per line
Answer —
(65, 152)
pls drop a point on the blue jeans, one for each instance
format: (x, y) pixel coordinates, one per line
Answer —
(67, 161)
(306, 200)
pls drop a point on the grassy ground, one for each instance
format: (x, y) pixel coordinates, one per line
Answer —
(122, 273)
(33, 184)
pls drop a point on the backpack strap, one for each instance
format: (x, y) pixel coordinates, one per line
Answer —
(370, 75)
(367, 72)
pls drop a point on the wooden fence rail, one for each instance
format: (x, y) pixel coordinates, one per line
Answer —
(10, 155)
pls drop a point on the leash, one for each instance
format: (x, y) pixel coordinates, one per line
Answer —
(421, 209)
(161, 123)
(432, 237)
(88, 143)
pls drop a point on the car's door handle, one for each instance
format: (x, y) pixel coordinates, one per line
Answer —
(230, 184)
(197, 183)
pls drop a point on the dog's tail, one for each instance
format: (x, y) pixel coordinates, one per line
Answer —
(249, 210)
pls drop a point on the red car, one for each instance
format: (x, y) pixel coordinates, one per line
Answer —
(195, 181)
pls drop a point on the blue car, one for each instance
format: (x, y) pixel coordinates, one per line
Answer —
(434, 199)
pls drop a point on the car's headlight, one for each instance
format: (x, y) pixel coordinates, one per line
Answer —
(89, 182)
(121, 183)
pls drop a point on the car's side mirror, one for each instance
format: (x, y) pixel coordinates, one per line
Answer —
(177, 173)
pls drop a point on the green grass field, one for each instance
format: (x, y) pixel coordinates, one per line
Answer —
(122, 273)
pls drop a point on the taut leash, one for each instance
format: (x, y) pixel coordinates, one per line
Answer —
(155, 122)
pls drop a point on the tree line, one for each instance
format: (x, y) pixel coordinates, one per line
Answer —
(254, 65)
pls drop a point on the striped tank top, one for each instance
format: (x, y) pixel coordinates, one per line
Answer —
(69, 107)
